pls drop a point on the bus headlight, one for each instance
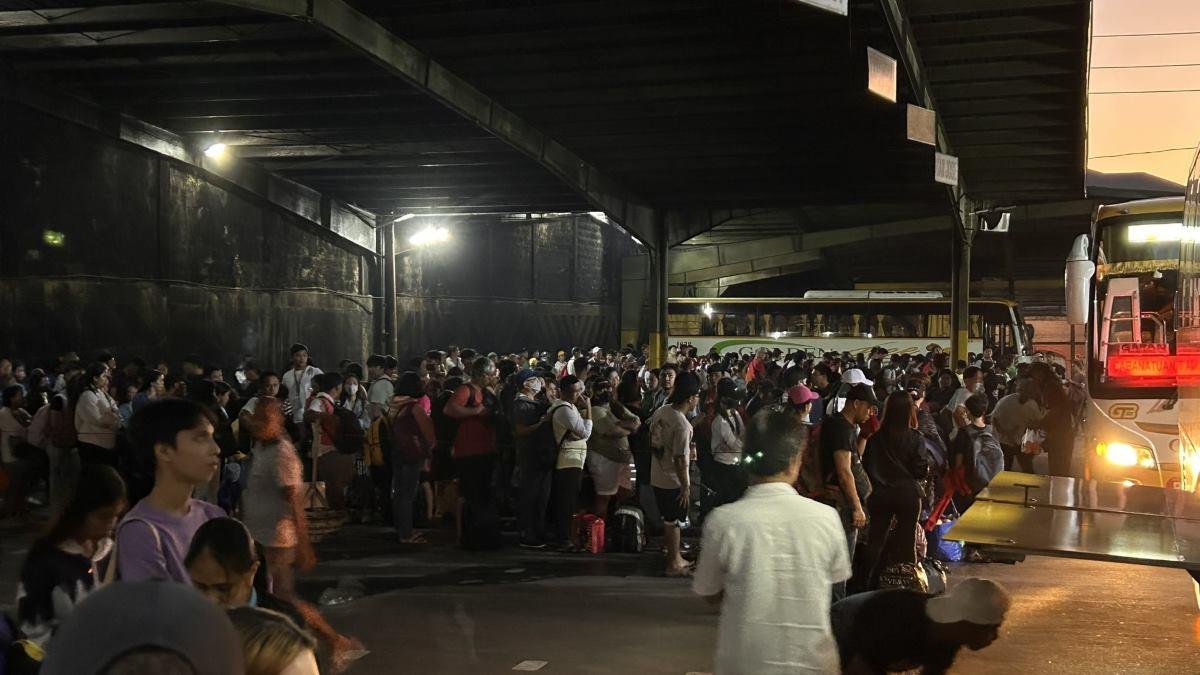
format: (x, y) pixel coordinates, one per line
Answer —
(1124, 454)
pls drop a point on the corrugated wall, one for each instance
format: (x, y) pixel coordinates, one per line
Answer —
(502, 285)
(156, 260)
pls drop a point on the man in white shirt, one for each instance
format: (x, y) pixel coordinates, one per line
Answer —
(453, 358)
(770, 559)
(298, 381)
(571, 416)
(379, 394)
(972, 384)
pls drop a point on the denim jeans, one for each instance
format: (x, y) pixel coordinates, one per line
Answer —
(536, 479)
(406, 478)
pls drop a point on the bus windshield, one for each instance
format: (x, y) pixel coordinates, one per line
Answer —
(1136, 283)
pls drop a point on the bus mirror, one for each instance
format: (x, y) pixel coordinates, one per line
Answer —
(1080, 269)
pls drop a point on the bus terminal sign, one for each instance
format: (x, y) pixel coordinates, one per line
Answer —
(836, 6)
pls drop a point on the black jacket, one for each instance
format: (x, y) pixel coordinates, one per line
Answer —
(894, 462)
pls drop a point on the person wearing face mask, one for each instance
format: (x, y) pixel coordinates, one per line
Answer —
(354, 399)
(533, 435)
(972, 384)
(572, 422)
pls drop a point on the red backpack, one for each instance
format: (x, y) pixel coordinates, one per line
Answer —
(410, 444)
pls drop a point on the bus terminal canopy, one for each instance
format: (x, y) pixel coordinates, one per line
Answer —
(674, 114)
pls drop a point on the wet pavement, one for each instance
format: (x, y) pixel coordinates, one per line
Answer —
(435, 609)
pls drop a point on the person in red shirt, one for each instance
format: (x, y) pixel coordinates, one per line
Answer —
(474, 405)
(758, 367)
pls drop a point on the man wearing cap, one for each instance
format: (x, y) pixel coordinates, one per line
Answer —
(145, 627)
(537, 452)
(849, 379)
(841, 464)
(900, 630)
(298, 381)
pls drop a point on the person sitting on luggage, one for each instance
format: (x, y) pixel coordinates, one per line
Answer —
(900, 630)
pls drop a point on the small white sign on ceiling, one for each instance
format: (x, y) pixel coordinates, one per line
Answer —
(836, 6)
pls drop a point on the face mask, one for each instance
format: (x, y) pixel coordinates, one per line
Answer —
(353, 390)
(533, 385)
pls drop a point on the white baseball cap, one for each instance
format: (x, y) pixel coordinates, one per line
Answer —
(979, 601)
(855, 376)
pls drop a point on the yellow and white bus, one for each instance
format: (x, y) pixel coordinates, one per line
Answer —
(1129, 280)
(841, 321)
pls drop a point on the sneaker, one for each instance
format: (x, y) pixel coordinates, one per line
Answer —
(533, 544)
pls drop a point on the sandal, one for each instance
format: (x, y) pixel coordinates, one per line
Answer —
(415, 539)
(681, 573)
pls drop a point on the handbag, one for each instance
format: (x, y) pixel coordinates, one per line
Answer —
(906, 575)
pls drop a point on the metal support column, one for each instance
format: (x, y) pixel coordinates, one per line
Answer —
(659, 293)
(635, 278)
(390, 338)
(960, 314)
(377, 285)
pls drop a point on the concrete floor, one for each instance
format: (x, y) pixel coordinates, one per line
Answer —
(445, 611)
(487, 613)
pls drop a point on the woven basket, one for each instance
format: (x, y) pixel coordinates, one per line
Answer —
(324, 522)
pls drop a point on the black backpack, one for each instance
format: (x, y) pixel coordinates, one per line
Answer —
(350, 435)
(987, 458)
(628, 530)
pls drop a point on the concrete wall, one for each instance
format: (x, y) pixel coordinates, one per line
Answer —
(159, 259)
(503, 285)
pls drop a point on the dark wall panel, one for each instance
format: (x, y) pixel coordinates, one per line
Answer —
(547, 284)
(99, 193)
(157, 260)
(503, 325)
(589, 259)
(512, 261)
(554, 259)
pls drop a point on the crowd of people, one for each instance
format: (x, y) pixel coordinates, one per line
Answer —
(207, 481)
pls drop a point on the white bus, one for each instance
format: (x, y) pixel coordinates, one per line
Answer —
(1124, 281)
(841, 321)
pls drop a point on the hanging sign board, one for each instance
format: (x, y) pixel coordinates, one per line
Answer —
(945, 169)
(836, 6)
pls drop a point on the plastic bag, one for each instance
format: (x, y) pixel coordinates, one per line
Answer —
(1031, 444)
(948, 550)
